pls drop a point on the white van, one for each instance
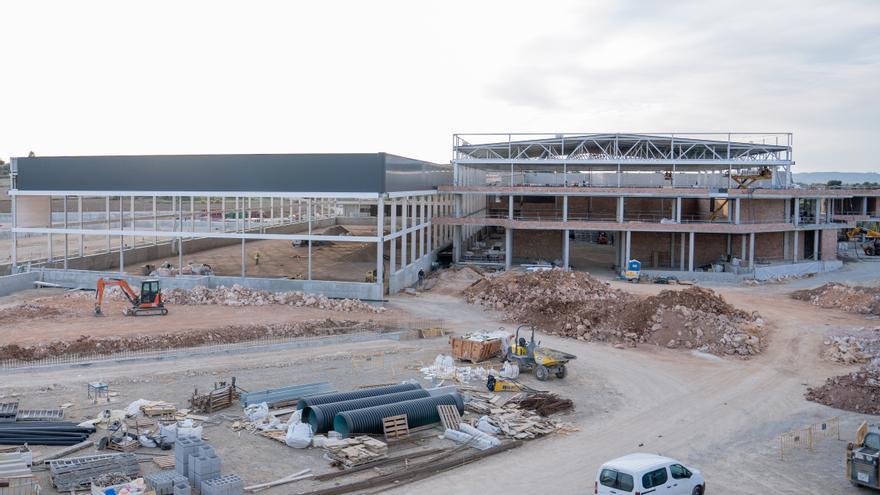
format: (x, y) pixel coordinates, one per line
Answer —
(643, 474)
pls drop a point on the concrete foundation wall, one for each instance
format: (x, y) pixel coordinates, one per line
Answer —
(88, 279)
(17, 282)
(796, 269)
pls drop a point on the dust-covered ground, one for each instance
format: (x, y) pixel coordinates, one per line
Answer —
(721, 414)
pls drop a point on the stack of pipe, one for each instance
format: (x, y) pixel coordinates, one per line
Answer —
(43, 433)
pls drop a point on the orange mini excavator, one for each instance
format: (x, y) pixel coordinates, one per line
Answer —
(149, 302)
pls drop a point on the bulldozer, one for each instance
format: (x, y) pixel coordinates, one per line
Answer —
(871, 246)
(148, 302)
(863, 458)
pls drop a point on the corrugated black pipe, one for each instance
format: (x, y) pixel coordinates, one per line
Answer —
(320, 417)
(317, 400)
(419, 412)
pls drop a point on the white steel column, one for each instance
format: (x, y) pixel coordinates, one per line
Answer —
(742, 254)
(628, 247)
(66, 254)
(309, 216)
(797, 212)
(413, 239)
(423, 216)
(672, 249)
(691, 252)
(620, 209)
(794, 244)
(208, 210)
(815, 245)
(677, 210)
(82, 242)
(179, 254)
(736, 218)
(243, 259)
(107, 213)
(393, 248)
(192, 214)
(431, 227)
(380, 244)
(818, 210)
(403, 214)
(155, 221)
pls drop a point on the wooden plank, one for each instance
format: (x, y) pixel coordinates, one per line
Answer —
(164, 462)
(449, 416)
(395, 427)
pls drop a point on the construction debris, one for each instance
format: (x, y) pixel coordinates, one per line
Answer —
(578, 305)
(351, 452)
(222, 396)
(544, 403)
(78, 472)
(508, 417)
(854, 299)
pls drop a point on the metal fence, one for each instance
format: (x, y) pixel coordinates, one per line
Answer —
(804, 438)
(343, 334)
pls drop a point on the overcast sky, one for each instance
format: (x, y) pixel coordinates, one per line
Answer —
(363, 76)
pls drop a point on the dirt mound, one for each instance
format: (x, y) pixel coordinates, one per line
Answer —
(855, 299)
(580, 306)
(27, 311)
(453, 280)
(244, 296)
(85, 345)
(858, 391)
(336, 230)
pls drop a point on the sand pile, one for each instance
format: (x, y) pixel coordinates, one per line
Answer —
(858, 391)
(85, 345)
(580, 306)
(453, 280)
(855, 299)
(243, 296)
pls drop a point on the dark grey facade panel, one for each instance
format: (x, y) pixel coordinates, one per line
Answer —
(406, 174)
(339, 173)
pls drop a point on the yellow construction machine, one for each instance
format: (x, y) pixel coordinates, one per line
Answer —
(743, 181)
(863, 458)
(871, 246)
(531, 356)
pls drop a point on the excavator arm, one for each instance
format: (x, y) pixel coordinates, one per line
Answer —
(110, 282)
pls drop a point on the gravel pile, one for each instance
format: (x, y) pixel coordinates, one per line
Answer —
(858, 391)
(579, 306)
(855, 299)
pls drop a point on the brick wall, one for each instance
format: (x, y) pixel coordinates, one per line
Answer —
(762, 211)
(828, 245)
(534, 245)
(769, 246)
(651, 247)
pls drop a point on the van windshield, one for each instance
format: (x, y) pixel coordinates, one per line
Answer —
(616, 479)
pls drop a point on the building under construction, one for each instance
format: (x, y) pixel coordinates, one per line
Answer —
(364, 225)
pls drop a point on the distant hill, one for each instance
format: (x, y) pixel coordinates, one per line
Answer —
(845, 177)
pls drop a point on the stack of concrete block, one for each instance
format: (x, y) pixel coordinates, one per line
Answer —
(163, 482)
(203, 465)
(229, 484)
(182, 488)
(183, 448)
(78, 472)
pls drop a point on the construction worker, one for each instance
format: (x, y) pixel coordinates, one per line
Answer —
(257, 258)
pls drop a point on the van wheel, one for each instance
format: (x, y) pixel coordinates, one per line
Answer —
(698, 490)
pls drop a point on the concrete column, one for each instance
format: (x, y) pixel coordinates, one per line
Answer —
(787, 210)
(565, 214)
(752, 250)
(82, 242)
(786, 245)
(742, 254)
(729, 251)
(380, 244)
(691, 252)
(565, 250)
(393, 248)
(672, 250)
(510, 207)
(620, 209)
(403, 236)
(794, 244)
(456, 243)
(628, 254)
(818, 208)
(816, 245)
(508, 248)
(865, 205)
(14, 235)
(797, 212)
(243, 260)
(736, 217)
(681, 252)
(678, 210)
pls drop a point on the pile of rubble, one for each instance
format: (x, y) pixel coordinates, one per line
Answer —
(580, 306)
(27, 311)
(508, 417)
(244, 296)
(855, 299)
(453, 280)
(858, 391)
(847, 349)
(85, 345)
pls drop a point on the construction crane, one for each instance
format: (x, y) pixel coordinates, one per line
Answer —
(872, 246)
(148, 302)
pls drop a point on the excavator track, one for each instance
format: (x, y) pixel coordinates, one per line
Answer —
(148, 312)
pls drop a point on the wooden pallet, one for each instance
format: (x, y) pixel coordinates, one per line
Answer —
(164, 462)
(449, 416)
(395, 428)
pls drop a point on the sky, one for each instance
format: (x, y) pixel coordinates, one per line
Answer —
(110, 78)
